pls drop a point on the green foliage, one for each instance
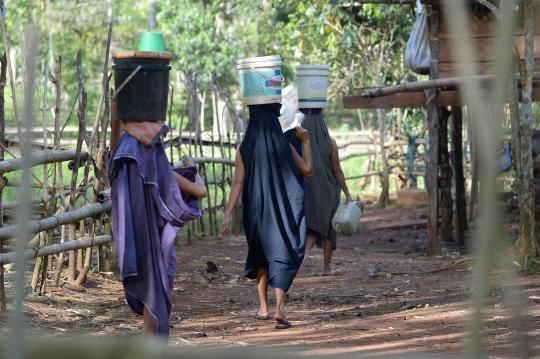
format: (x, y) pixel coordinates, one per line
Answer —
(363, 44)
(198, 47)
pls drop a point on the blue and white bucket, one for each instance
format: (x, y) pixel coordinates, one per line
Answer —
(260, 79)
(312, 83)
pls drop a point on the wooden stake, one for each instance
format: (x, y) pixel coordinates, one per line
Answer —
(82, 128)
(103, 93)
(57, 134)
(384, 198)
(221, 148)
(11, 79)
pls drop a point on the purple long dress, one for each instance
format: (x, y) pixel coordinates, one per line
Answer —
(148, 211)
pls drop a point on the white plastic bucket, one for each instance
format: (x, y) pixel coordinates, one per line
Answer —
(312, 82)
(260, 79)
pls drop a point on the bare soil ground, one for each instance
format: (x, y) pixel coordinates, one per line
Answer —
(351, 313)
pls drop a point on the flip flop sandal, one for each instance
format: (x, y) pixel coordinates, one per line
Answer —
(257, 316)
(283, 325)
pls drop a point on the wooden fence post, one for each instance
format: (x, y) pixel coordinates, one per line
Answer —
(432, 184)
(432, 164)
(459, 179)
(445, 178)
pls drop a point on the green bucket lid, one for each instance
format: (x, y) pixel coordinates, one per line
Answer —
(152, 41)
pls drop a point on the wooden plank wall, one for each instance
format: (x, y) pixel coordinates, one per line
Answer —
(483, 34)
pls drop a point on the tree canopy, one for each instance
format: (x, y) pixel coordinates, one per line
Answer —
(363, 44)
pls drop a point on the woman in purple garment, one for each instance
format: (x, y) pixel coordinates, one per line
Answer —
(151, 203)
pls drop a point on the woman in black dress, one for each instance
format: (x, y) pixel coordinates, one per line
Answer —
(270, 172)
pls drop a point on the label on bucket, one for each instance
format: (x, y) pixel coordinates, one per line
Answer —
(313, 89)
(257, 83)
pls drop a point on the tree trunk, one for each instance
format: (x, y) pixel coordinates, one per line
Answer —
(445, 178)
(526, 245)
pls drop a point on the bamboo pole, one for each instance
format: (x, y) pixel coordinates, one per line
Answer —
(37, 265)
(39, 158)
(82, 128)
(435, 83)
(103, 93)
(221, 145)
(359, 154)
(183, 139)
(3, 180)
(17, 337)
(200, 124)
(40, 264)
(87, 258)
(51, 197)
(86, 242)
(80, 252)
(212, 214)
(59, 170)
(36, 226)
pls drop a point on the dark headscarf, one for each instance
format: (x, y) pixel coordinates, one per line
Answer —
(322, 189)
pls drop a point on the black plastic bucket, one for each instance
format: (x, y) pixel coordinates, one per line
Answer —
(144, 97)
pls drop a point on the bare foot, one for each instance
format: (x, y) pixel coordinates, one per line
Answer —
(280, 317)
(262, 312)
(330, 272)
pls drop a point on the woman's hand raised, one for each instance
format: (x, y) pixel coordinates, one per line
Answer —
(302, 134)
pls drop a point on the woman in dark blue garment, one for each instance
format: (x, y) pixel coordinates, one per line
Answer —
(270, 172)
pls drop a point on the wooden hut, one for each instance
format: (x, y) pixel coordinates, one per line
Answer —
(439, 94)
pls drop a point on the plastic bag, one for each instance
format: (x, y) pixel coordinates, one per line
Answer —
(289, 108)
(345, 220)
(417, 53)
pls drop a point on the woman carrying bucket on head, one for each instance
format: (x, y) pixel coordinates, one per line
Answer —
(270, 173)
(150, 201)
(323, 189)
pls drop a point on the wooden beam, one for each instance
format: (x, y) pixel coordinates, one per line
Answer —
(412, 100)
(401, 100)
(447, 83)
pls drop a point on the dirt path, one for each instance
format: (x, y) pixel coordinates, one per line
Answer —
(349, 313)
